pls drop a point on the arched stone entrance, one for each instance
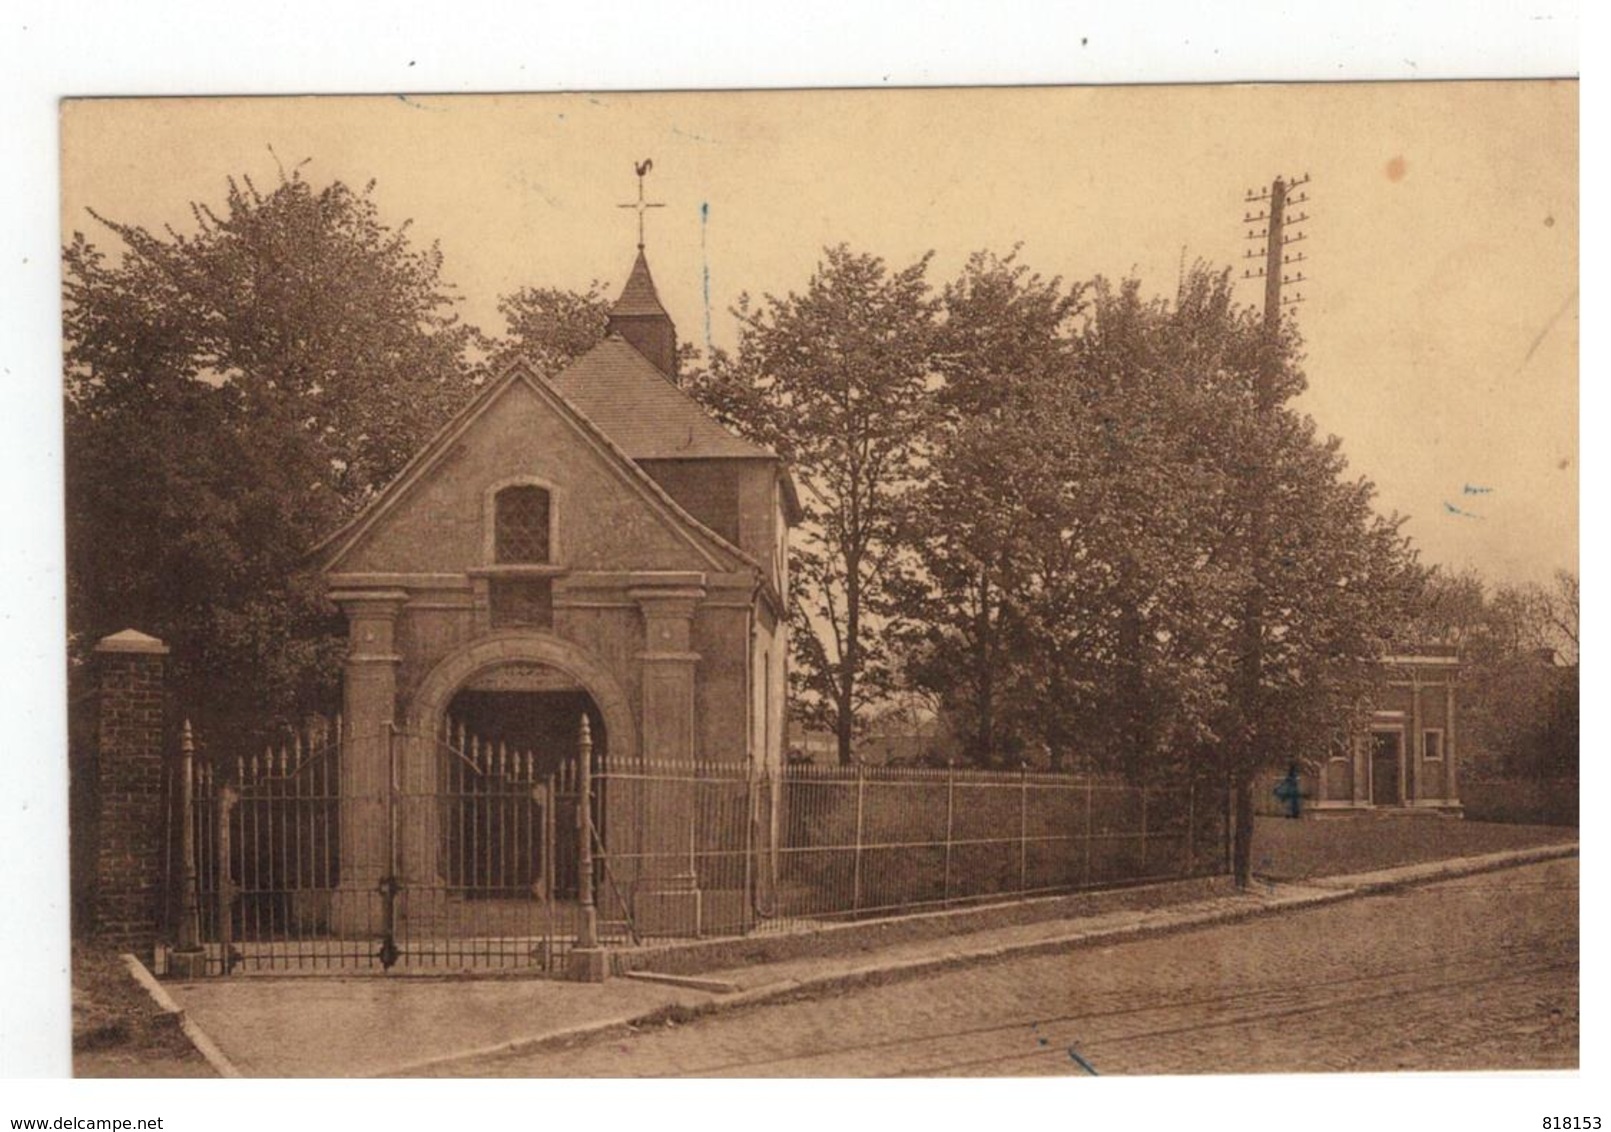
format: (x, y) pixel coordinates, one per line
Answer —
(512, 650)
(446, 822)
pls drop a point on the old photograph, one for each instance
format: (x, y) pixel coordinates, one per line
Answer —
(970, 581)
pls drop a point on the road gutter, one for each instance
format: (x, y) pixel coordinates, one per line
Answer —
(198, 1037)
(1289, 897)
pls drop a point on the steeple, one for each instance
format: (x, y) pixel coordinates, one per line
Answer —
(638, 315)
(639, 318)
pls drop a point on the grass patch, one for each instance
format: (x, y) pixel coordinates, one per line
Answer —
(118, 1031)
(1295, 850)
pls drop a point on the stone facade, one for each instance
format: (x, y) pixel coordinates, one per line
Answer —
(656, 589)
(1405, 757)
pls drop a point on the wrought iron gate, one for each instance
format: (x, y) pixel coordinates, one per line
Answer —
(463, 855)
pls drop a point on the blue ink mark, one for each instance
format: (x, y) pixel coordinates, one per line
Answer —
(1082, 1063)
(1470, 489)
(704, 254)
(1290, 792)
(1453, 510)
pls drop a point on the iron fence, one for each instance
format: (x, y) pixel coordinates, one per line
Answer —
(470, 853)
(721, 850)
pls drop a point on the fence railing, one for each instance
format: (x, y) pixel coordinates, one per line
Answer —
(721, 850)
(476, 858)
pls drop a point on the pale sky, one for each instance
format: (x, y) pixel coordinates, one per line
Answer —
(1442, 319)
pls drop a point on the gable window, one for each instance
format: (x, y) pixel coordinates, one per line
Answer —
(520, 525)
(520, 584)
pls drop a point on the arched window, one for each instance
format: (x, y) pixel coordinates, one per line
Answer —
(520, 525)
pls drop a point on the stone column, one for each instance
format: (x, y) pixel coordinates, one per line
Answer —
(666, 892)
(369, 709)
(130, 822)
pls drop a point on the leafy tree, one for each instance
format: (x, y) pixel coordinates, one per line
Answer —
(1164, 517)
(1324, 583)
(551, 327)
(836, 379)
(1134, 570)
(231, 393)
(1001, 346)
(1519, 671)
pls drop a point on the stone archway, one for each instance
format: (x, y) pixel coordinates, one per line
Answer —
(431, 698)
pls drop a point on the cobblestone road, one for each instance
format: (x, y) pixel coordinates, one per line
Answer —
(1476, 973)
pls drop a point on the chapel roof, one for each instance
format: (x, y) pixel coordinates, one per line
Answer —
(641, 410)
(639, 297)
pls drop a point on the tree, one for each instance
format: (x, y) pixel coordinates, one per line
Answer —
(836, 380)
(1324, 583)
(1518, 671)
(1002, 344)
(1165, 515)
(231, 394)
(551, 327)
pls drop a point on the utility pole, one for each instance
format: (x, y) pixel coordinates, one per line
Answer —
(1275, 237)
(1278, 261)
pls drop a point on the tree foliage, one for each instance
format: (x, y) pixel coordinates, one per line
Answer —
(1001, 349)
(550, 326)
(1085, 533)
(232, 392)
(836, 380)
(1519, 671)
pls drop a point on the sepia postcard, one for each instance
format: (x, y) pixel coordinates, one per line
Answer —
(977, 581)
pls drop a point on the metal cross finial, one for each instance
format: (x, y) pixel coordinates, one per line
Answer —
(643, 167)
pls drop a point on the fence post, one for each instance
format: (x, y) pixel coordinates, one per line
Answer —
(188, 961)
(587, 958)
(750, 795)
(1191, 827)
(1143, 831)
(225, 884)
(1023, 828)
(855, 891)
(1090, 830)
(950, 808)
(1229, 828)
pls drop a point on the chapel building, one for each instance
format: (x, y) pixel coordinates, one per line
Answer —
(588, 542)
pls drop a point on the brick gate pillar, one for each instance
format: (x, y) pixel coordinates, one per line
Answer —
(130, 820)
(666, 889)
(369, 707)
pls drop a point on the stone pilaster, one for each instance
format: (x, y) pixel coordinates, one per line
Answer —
(369, 706)
(666, 887)
(130, 823)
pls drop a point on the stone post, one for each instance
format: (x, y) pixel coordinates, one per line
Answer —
(666, 892)
(588, 962)
(130, 823)
(369, 708)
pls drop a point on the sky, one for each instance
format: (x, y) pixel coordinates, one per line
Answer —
(1441, 317)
